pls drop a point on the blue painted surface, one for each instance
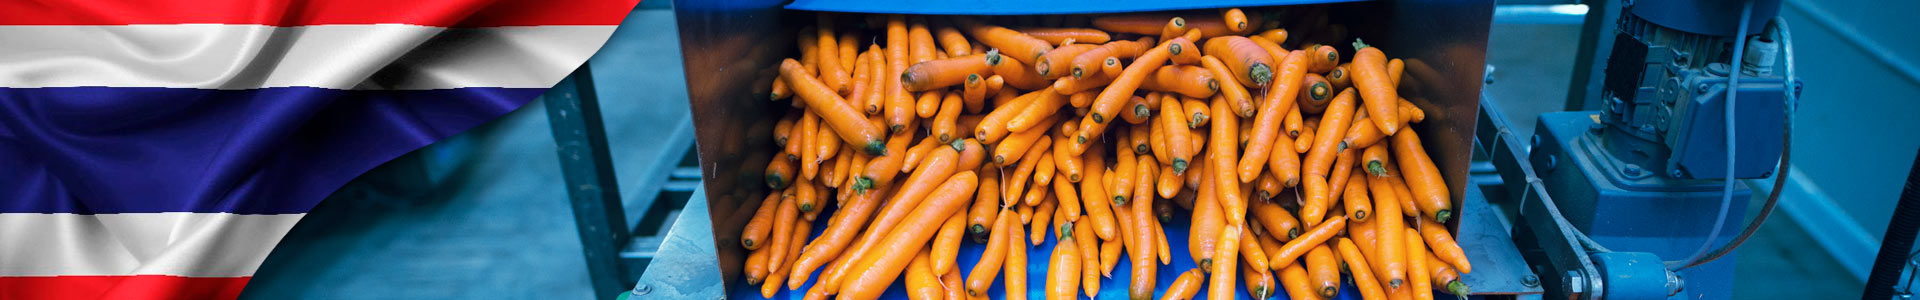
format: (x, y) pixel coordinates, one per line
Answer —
(1027, 7)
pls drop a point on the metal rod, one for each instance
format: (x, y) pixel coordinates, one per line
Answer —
(573, 109)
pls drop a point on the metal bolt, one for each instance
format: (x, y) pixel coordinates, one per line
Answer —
(1702, 87)
(1675, 283)
(1634, 170)
(642, 289)
(1574, 283)
(1530, 280)
(1553, 162)
(1534, 141)
(1675, 172)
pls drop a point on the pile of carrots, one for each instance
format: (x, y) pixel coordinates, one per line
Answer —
(1298, 168)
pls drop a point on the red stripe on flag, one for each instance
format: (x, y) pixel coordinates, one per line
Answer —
(121, 287)
(437, 13)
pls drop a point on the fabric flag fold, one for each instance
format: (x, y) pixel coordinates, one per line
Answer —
(161, 149)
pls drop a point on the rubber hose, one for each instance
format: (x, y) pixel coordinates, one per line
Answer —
(1900, 233)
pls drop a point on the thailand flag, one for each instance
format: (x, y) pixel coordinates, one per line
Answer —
(159, 149)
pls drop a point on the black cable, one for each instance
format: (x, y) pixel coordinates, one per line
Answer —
(1900, 233)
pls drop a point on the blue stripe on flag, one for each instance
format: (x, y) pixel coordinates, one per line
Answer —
(101, 150)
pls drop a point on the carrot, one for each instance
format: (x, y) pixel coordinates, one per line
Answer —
(921, 283)
(1341, 77)
(1260, 283)
(1284, 161)
(1185, 286)
(1040, 109)
(756, 266)
(1362, 273)
(772, 283)
(1266, 187)
(779, 91)
(1394, 68)
(1250, 251)
(1044, 169)
(876, 92)
(899, 105)
(1444, 247)
(1445, 275)
(1294, 278)
(1324, 58)
(1225, 127)
(1178, 138)
(872, 274)
(1387, 233)
(1142, 202)
(1059, 36)
(952, 284)
(1225, 256)
(988, 266)
(946, 244)
(1017, 145)
(1323, 270)
(1299, 246)
(783, 129)
(1142, 253)
(1182, 51)
(926, 104)
(1093, 194)
(1190, 81)
(1232, 89)
(993, 127)
(1235, 19)
(1417, 264)
(943, 73)
(862, 78)
(1362, 135)
(1123, 172)
(918, 152)
(1118, 92)
(847, 122)
(1337, 182)
(846, 223)
(754, 234)
(1016, 266)
(1370, 75)
(1410, 112)
(779, 172)
(1207, 223)
(782, 235)
(1332, 126)
(985, 204)
(1089, 247)
(828, 50)
(1173, 28)
(951, 39)
(1250, 64)
(920, 46)
(1020, 46)
(973, 93)
(1089, 61)
(1277, 221)
(1067, 163)
(1043, 214)
(1376, 159)
(1401, 192)
(1429, 190)
(1210, 25)
(1278, 101)
(1083, 85)
(1016, 73)
(1164, 213)
(1316, 93)
(1168, 184)
(1201, 114)
(1109, 256)
(1059, 62)
(938, 166)
(1139, 135)
(1063, 271)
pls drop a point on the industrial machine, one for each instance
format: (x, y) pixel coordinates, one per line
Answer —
(1625, 196)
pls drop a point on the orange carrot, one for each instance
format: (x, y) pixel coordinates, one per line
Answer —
(1122, 88)
(1018, 145)
(847, 122)
(993, 127)
(1201, 114)
(846, 223)
(873, 273)
(780, 172)
(1260, 283)
(1178, 137)
(1043, 214)
(1190, 81)
(1304, 143)
(946, 243)
(827, 50)
(1277, 35)
(943, 73)
(921, 283)
(920, 46)
(899, 105)
(1066, 162)
(1362, 273)
(1210, 25)
(1341, 77)
(951, 39)
(1090, 61)
(1016, 266)
(1299, 246)
(876, 93)
(985, 204)
(799, 233)
(1323, 270)
(1444, 248)
(1020, 46)
(1040, 109)
(1410, 112)
(1324, 58)
(1250, 251)
(1429, 190)
(1235, 19)
(1182, 51)
(1059, 62)
(1250, 64)
(1273, 110)
(1362, 135)
(1394, 68)
(1316, 93)
(756, 266)
(1059, 36)
(1417, 265)
(1207, 222)
(754, 234)
(1185, 286)
(1446, 276)
(1232, 89)
(1225, 255)
(1376, 160)
(1173, 28)
(1063, 271)
(995, 254)
(1370, 75)
(1225, 126)
(1387, 233)
(1016, 73)
(1277, 221)
(862, 79)
(1333, 125)
(1294, 278)
(782, 235)
(1077, 86)
(1093, 192)
(1283, 162)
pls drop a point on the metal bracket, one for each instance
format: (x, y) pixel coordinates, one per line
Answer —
(1540, 219)
(573, 109)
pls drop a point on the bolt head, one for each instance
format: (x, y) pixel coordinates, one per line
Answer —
(1675, 172)
(1701, 88)
(642, 289)
(1530, 280)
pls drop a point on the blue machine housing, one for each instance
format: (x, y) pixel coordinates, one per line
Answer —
(1628, 208)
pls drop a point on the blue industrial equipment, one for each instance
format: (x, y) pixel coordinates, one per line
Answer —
(1604, 195)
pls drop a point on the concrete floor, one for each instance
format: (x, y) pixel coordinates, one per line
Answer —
(486, 215)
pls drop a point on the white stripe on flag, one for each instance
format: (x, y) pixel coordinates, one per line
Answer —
(178, 244)
(235, 57)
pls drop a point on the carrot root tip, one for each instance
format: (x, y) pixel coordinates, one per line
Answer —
(1458, 288)
(748, 243)
(1442, 216)
(1360, 215)
(1097, 118)
(1260, 73)
(1395, 283)
(1329, 292)
(1140, 110)
(876, 148)
(806, 207)
(774, 181)
(1142, 149)
(1179, 165)
(1119, 200)
(1374, 167)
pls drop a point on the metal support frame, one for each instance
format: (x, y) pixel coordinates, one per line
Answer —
(1566, 259)
(573, 109)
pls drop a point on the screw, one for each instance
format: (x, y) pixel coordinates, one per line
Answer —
(1702, 88)
(1534, 141)
(1530, 280)
(1675, 172)
(1574, 283)
(1552, 162)
(1634, 170)
(642, 289)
